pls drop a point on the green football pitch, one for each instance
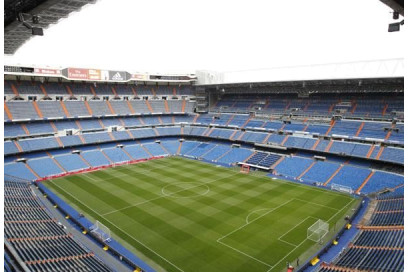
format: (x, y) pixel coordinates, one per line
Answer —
(179, 214)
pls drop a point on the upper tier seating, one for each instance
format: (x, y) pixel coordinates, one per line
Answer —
(22, 110)
(51, 109)
(120, 107)
(54, 109)
(99, 108)
(76, 108)
(353, 105)
(45, 128)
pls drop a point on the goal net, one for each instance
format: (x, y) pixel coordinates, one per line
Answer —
(341, 188)
(317, 231)
(101, 231)
(245, 168)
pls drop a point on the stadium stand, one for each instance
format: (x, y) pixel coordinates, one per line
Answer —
(293, 167)
(379, 245)
(362, 150)
(41, 243)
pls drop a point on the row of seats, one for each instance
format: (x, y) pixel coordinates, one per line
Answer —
(52, 127)
(53, 88)
(295, 167)
(38, 240)
(368, 259)
(362, 129)
(18, 110)
(329, 173)
(380, 248)
(263, 159)
(346, 104)
(391, 154)
(395, 218)
(380, 238)
(60, 161)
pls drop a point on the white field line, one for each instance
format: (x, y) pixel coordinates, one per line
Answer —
(254, 211)
(306, 238)
(283, 241)
(163, 195)
(283, 204)
(121, 229)
(287, 255)
(340, 210)
(203, 194)
(317, 204)
(239, 251)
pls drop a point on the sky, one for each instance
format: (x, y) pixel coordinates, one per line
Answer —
(185, 36)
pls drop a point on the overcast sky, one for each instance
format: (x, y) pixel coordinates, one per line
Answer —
(185, 35)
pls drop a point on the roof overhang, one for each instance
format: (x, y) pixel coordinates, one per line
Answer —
(50, 12)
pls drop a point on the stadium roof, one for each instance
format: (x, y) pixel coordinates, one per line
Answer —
(396, 5)
(388, 68)
(50, 12)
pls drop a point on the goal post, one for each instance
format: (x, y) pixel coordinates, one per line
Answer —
(341, 188)
(318, 231)
(101, 231)
(245, 168)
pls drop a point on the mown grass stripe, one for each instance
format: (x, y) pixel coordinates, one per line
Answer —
(180, 234)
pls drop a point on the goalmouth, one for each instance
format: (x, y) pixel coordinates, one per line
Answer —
(101, 231)
(341, 188)
(245, 168)
(318, 231)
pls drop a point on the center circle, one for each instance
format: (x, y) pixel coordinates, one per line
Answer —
(185, 189)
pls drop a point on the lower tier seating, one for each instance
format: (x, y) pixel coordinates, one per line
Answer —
(38, 240)
(378, 246)
(305, 169)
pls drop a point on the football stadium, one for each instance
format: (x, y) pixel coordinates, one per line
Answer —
(298, 168)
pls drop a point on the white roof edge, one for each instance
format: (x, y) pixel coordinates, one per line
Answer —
(383, 68)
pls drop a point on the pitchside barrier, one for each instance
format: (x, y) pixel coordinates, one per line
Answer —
(91, 169)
